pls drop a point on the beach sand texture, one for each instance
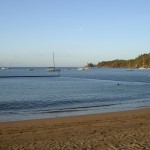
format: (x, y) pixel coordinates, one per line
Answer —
(129, 130)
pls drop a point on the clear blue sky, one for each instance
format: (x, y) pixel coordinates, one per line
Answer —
(77, 31)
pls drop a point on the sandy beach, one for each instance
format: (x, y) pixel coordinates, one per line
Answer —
(128, 130)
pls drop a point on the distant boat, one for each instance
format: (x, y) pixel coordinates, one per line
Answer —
(142, 68)
(83, 68)
(80, 68)
(5, 68)
(30, 69)
(53, 69)
(129, 69)
(143, 65)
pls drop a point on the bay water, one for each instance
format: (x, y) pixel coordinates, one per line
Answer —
(26, 94)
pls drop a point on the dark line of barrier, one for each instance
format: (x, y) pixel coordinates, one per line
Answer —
(27, 76)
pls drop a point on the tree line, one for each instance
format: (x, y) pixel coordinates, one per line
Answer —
(142, 60)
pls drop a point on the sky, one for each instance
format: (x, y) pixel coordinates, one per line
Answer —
(77, 31)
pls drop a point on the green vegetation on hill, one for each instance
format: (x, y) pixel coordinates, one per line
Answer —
(141, 61)
(90, 65)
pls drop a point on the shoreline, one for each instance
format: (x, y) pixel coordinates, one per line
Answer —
(74, 116)
(113, 130)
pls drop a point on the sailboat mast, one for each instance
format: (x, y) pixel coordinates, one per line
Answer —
(53, 60)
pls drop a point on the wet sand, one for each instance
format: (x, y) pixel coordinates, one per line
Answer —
(129, 130)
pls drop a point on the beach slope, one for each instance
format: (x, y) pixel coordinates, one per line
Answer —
(109, 131)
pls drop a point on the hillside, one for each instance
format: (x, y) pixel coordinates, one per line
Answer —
(141, 61)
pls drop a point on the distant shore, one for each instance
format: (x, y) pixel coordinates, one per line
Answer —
(117, 130)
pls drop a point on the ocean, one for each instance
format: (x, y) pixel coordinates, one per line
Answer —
(38, 93)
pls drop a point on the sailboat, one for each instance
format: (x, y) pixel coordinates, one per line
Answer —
(53, 69)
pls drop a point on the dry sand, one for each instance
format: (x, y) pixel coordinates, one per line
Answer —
(129, 130)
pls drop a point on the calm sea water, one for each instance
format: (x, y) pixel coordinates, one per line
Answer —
(73, 93)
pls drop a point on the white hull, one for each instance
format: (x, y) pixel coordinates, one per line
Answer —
(142, 68)
(129, 69)
(53, 69)
(83, 68)
(5, 68)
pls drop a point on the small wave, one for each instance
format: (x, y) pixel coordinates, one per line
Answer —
(68, 103)
(82, 108)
